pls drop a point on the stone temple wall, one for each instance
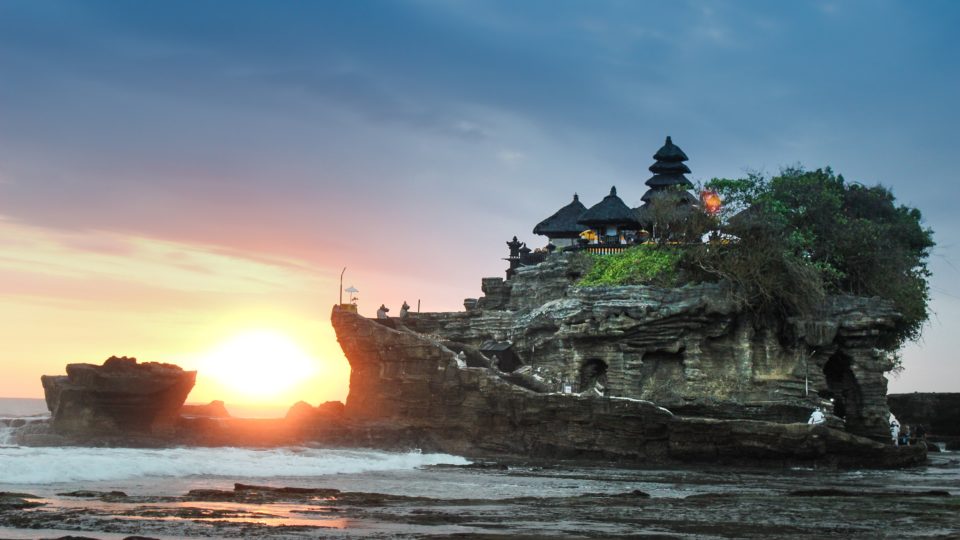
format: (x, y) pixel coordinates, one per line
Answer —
(692, 349)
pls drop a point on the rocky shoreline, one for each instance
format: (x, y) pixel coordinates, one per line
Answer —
(671, 502)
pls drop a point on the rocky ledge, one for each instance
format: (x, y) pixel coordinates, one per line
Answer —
(120, 396)
(408, 387)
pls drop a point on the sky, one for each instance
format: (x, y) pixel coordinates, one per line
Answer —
(176, 174)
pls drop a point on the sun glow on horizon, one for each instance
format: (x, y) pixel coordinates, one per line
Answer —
(260, 365)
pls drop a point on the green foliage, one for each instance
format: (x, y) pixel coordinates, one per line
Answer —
(806, 232)
(768, 276)
(674, 219)
(644, 264)
(800, 235)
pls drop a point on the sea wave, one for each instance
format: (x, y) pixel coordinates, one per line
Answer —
(23, 465)
(6, 435)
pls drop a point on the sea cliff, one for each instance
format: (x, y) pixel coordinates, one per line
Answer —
(637, 373)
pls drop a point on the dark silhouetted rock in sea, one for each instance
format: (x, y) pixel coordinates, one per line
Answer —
(303, 411)
(121, 396)
(214, 409)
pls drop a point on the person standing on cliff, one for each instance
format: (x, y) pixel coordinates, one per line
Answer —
(404, 310)
(382, 312)
(894, 430)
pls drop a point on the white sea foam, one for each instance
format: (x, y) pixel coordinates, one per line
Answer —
(6, 436)
(21, 465)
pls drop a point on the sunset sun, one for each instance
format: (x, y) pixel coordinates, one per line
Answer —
(258, 364)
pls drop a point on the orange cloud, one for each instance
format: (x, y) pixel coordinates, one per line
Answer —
(81, 297)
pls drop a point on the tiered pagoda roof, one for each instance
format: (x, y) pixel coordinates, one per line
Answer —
(563, 223)
(668, 180)
(668, 171)
(610, 211)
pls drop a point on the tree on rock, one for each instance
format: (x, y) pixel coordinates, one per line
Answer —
(806, 233)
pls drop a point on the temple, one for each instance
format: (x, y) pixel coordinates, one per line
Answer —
(610, 226)
(668, 186)
(611, 220)
(562, 228)
(542, 364)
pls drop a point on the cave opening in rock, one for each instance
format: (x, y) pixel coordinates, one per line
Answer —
(593, 373)
(843, 387)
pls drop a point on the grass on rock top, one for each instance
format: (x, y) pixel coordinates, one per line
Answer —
(639, 265)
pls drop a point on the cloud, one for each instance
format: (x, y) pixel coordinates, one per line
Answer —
(510, 157)
(104, 264)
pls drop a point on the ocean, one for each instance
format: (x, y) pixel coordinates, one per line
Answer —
(20, 407)
(190, 493)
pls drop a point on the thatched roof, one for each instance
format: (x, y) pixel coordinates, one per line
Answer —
(667, 180)
(668, 176)
(681, 194)
(670, 152)
(669, 169)
(610, 211)
(563, 223)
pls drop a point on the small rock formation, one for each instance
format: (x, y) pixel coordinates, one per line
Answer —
(303, 411)
(121, 396)
(214, 409)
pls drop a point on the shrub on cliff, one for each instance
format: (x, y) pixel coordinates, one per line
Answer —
(803, 233)
(644, 264)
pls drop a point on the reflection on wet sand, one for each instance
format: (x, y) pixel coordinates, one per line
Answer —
(558, 500)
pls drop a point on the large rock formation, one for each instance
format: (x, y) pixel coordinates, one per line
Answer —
(413, 388)
(694, 350)
(121, 396)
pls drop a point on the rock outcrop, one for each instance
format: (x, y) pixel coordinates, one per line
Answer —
(411, 387)
(214, 409)
(121, 396)
(695, 349)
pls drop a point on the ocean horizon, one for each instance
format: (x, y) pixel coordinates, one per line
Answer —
(17, 407)
(11, 407)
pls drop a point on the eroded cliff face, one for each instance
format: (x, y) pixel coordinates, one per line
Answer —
(637, 373)
(694, 349)
(408, 387)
